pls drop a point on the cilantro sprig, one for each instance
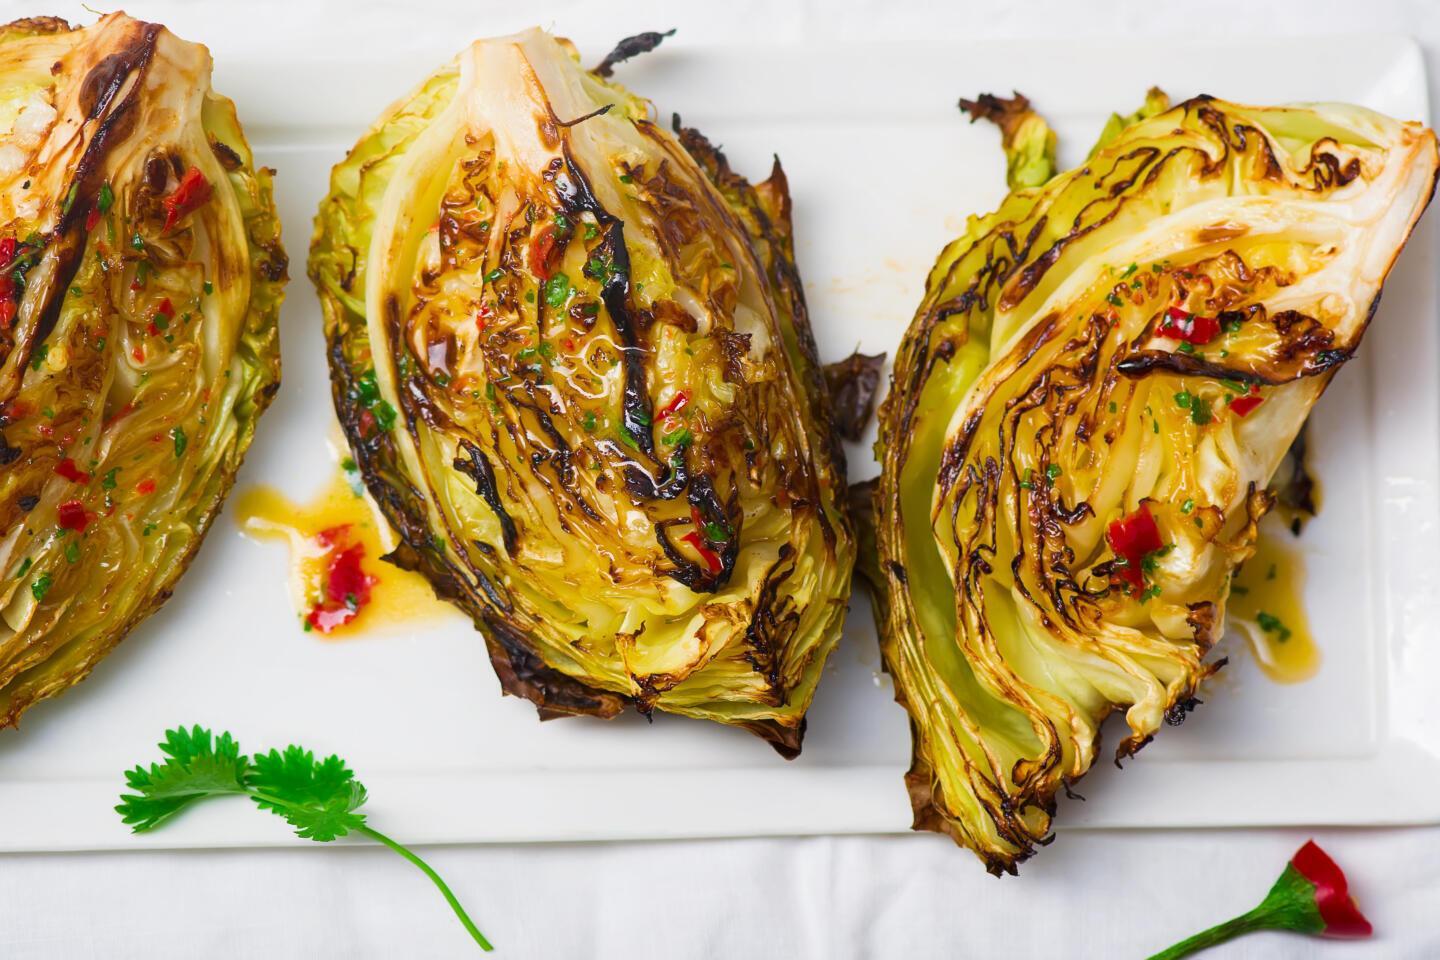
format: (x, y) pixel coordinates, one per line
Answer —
(318, 797)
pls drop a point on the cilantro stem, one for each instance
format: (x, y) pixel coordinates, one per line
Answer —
(445, 890)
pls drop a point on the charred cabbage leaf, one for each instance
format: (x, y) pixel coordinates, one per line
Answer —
(140, 280)
(1085, 413)
(571, 355)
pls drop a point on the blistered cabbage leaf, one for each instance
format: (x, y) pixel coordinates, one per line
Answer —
(140, 279)
(1086, 411)
(571, 354)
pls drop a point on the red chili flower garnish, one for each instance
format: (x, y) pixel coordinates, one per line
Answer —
(1192, 328)
(345, 587)
(1312, 896)
(1131, 538)
(72, 516)
(189, 196)
(711, 558)
(145, 487)
(676, 404)
(542, 251)
(1332, 892)
(67, 469)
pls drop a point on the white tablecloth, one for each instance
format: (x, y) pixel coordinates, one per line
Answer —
(1097, 895)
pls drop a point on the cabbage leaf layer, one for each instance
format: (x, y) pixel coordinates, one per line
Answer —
(1085, 414)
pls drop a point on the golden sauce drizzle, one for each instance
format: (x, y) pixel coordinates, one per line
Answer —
(398, 597)
(1267, 605)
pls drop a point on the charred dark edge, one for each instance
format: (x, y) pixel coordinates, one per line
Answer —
(134, 60)
(629, 48)
(1005, 112)
(478, 468)
(1145, 362)
(615, 291)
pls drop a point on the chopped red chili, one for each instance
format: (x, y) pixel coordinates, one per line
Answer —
(1243, 406)
(676, 404)
(138, 353)
(7, 312)
(73, 516)
(483, 316)
(7, 251)
(92, 219)
(1192, 328)
(67, 469)
(146, 486)
(1132, 537)
(711, 558)
(189, 196)
(345, 588)
(542, 251)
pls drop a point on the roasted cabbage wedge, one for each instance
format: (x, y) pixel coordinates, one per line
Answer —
(1084, 416)
(140, 281)
(571, 355)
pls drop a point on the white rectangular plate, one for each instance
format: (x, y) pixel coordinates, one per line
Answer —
(883, 171)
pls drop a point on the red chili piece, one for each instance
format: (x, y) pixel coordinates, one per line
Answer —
(67, 469)
(1242, 406)
(677, 403)
(542, 251)
(92, 219)
(711, 558)
(1132, 537)
(1192, 328)
(72, 516)
(346, 587)
(146, 486)
(1332, 893)
(189, 196)
(7, 251)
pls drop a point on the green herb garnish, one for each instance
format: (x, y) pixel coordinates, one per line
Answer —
(319, 798)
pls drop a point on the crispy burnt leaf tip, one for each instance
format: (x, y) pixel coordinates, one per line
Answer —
(1083, 419)
(629, 48)
(574, 364)
(1027, 139)
(853, 383)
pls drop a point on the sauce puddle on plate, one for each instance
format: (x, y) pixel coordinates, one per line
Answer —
(337, 578)
(1267, 605)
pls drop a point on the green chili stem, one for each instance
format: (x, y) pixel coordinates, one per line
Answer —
(425, 868)
(1257, 919)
